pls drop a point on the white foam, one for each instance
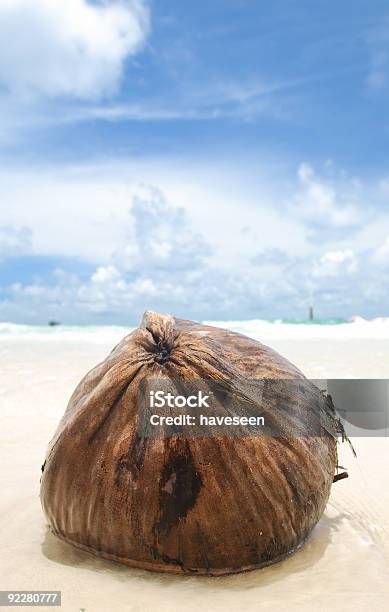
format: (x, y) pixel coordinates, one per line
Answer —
(66, 333)
(256, 328)
(265, 330)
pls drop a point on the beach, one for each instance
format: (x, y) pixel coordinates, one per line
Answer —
(344, 564)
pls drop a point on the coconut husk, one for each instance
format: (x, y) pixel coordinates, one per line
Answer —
(184, 499)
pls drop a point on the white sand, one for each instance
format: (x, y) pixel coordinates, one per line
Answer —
(344, 566)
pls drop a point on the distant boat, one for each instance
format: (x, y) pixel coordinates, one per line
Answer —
(53, 323)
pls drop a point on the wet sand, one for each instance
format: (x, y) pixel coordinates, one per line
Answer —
(343, 566)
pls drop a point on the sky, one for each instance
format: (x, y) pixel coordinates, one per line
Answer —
(221, 160)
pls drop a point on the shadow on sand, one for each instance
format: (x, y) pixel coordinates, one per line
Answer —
(60, 552)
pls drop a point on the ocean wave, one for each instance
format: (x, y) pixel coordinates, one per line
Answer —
(355, 328)
(89, 333)
(259, 329)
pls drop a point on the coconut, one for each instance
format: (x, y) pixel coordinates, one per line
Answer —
(191, 498)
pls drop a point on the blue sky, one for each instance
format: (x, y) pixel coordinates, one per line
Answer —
(222, 160)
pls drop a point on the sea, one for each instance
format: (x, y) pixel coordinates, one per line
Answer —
(259, 329)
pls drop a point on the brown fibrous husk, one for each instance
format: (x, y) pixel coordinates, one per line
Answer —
(203, 502)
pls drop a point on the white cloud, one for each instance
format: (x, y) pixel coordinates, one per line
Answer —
(209, 249)
(180, 278)
(14, 240)
(105, 274)
(336, 263)
(321, 203)
(240, 99)
(164, 261)
(160, 239)
(381, 254)
(68, 47)
(82, 211)
(338, 257)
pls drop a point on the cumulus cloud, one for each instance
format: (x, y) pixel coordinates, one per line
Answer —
(165, 265)
(165, 260)
(160, 239)
(105, 274)
(73, 48)
(324, 205)
(335, 263)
